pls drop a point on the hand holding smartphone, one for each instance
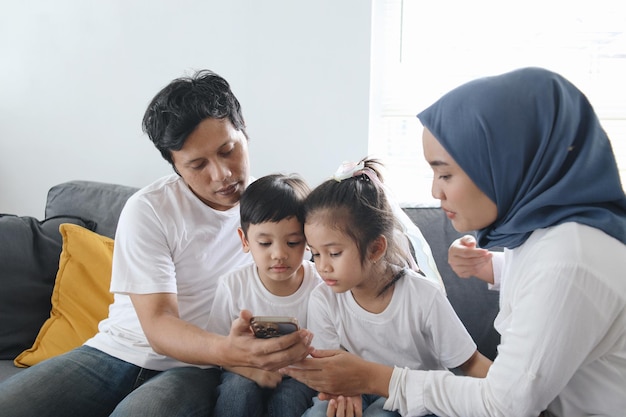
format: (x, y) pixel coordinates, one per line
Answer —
(265, 327)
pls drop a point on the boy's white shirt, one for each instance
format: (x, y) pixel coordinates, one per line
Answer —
(243, 289)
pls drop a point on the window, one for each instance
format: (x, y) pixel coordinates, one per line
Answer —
(421, 50)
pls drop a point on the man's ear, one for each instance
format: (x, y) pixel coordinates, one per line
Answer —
(378, 248)
(244, 240)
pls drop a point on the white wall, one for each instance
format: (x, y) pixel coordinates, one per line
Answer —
(76, 76)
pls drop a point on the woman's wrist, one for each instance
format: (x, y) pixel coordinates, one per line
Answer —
(378, 377)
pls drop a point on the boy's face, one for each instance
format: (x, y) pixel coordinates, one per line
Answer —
(278, 249)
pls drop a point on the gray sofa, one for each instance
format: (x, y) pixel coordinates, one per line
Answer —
(30, 249)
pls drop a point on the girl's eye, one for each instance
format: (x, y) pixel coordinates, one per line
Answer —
(315, 255)
(444, 177)
(334, 255)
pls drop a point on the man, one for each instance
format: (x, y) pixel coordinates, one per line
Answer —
(154, 354)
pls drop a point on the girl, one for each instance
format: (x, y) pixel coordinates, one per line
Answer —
(373, 304)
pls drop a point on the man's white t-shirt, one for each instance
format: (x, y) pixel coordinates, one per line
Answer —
(243, 289)
(418, 329)
(167, 241)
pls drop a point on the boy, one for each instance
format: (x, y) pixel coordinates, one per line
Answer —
(278, 283)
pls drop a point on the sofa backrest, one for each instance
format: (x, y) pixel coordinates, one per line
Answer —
(99, 202)
(475, 305)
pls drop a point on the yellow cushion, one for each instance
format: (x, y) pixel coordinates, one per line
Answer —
(81, 296)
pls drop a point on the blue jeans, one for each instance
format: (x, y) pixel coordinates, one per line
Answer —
(88, 382)
(239, 396)
(372, 407)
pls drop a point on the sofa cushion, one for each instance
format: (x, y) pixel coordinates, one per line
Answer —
(81, 296)
(29, 259)
(100, 202)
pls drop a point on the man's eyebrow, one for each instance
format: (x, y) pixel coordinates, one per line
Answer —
(192, 161)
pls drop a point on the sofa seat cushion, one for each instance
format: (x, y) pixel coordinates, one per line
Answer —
(29, 259)
(81, 296)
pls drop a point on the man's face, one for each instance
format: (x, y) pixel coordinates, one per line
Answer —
(214, 163)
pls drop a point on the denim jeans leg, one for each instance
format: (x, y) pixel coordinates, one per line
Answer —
(318, 409)
(238, 396)
(373, 407)
(187, 391)
(290, 398)
(82, 382)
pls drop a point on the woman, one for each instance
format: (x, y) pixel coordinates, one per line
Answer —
(522, 158)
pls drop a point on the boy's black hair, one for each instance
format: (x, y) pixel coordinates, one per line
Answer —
(178, 108)
(273, 198)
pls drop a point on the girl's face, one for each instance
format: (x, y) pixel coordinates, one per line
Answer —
(336, 256)
(467, 207)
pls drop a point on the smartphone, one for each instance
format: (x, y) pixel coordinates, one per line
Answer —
(265, 327)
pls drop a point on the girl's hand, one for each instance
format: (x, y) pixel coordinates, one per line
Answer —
(345, 407)
(466, 260)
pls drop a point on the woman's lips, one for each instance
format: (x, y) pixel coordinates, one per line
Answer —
(449, 214)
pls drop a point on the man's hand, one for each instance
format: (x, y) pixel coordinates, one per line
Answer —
(264, 379)
(466, 260)
(242, 348)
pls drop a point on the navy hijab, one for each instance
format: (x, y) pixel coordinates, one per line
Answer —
(531, 141)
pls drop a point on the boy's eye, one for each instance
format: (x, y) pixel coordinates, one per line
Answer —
(264, 243)
(334, 255)
(294, 244)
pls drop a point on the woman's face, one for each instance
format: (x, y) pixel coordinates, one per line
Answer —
(467, 207)
(214, 163)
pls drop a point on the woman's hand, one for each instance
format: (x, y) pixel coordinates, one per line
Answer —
(242, 348)
(466, 260)
(337, 372)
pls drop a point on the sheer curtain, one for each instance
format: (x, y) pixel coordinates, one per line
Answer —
(421, 49)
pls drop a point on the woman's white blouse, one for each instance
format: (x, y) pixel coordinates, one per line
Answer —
(563, 325)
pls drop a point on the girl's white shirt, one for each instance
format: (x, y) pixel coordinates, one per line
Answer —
(418, 329)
